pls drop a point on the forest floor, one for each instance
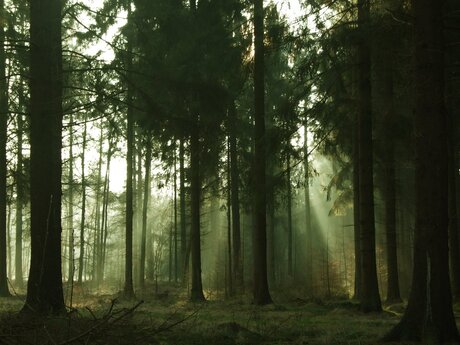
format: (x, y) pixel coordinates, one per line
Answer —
(169, 319)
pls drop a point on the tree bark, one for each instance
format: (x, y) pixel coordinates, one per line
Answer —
(70, 218)
(148, 160)
(105, 208)
(4, 112)
(195, 184)
(261, 292)
(308, 228)
(229, 286)
(44, 288)
(81, 261)
(183, 228)
(429, 316)
(370, 298)
(235, 202)
(176, 258)
(19, 204)
(454, 244)
(289, 216)
(389, 173)
(128, 290)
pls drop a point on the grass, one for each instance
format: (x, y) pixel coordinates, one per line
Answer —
(173, 320)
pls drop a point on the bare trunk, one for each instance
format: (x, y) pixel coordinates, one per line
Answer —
(3, 160)
(83, 210)
(148, 160)
(195, 184)
(370, 298)
(44, 288)
(235, 201)
(429, 316)
(261, 292)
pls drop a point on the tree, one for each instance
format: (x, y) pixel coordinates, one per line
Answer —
(385, 65)
(3, 161)
(44, 288)
(429, 315)
(20, 198)
(370, 298)
(147, 191)
(128, 290)
(235, 200)
(261, 292)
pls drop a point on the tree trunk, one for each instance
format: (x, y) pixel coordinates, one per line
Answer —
(452, 36)
(176, 258)
(70, 218)
(105, 208)
(308, 228)
(389, 173)
(148, 160)
(128, 290)
(183, 229)
(370, 298)
(44, 288)
(429, 316)
(98, 222)
(195, 184)
(289, 216)
(235, 201)
(261, 292)
(229, 288)
(83, 210)
(454, 244)
(3, 160)
(19, 205)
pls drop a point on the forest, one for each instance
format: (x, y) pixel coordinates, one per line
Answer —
(229, 172)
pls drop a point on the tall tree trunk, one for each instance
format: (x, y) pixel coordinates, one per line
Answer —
(170, 247)
(138, 204)
(105, 211)
(356, 210)
(235, 201)
(128, 290)
(308, 228)
(454, 244)
(261, 292)
(70, 218)
(387, 44)
(176, 263)
(370, 298)
(429, 316)
(3, 160)
(195, 184)
(44, 288)
(195, 196)
(183, 229)
(19, 205)
(229, 288)
(98, 221)
(393, 294)
(148, 160)
(289, 215)
(81, 260)
(452, 36)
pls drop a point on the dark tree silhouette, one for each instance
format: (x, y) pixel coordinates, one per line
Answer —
(44, 288)
(429, 315)
(3, 161)
(369, 294)
(261, 292)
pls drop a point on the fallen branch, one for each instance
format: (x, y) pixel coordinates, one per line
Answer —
(163, 326)
(105, 321)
